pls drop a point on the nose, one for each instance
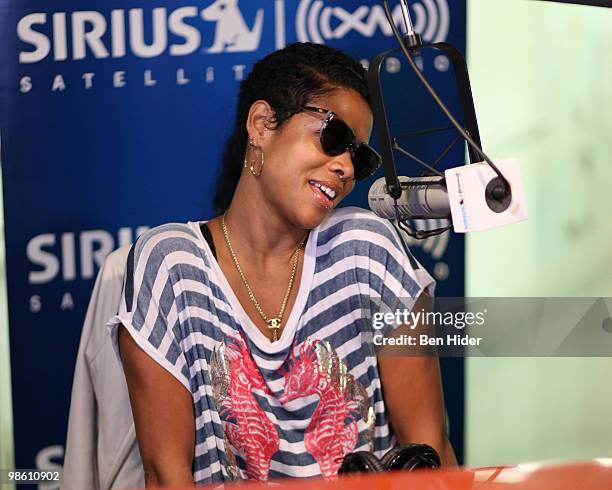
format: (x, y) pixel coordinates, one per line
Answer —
(342, 165)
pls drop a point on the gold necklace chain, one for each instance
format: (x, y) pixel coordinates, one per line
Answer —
(274, 324)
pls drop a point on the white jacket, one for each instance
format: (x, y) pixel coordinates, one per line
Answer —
(101, 447)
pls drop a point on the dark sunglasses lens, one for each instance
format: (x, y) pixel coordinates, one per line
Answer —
(365, 161)
(336, 137)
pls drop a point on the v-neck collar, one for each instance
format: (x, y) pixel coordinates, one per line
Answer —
(250, 329)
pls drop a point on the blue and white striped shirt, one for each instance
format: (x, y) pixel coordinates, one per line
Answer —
(294, 407)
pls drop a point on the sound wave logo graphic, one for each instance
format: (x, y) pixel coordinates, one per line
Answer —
(317, 22)
(431, 20)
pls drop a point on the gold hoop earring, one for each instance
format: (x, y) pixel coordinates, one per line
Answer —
(251, 165)
(246, 154)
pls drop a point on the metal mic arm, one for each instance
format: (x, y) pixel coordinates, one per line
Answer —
(500, 190)
(412, 38)
(387, 143)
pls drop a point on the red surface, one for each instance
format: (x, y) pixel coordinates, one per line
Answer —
(584, 476)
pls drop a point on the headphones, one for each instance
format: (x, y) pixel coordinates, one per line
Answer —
(407, 457)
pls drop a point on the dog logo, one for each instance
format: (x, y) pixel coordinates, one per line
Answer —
(232, 34)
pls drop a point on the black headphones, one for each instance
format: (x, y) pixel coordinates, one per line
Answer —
(408, 457)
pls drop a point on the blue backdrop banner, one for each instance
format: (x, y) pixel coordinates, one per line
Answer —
(113, 117)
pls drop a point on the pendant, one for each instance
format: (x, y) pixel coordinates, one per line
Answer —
(274, 324)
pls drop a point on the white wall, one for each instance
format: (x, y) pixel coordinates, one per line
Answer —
(542, 79)
(6, 409)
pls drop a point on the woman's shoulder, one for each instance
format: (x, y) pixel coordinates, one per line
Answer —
(359, 223)
(162, 240)
(360, 232)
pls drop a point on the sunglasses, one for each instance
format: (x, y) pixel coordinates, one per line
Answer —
(336, 138)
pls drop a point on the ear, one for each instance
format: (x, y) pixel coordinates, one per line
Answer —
(258, 121)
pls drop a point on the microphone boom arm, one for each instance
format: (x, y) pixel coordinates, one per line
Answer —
(410, 43)
(387, 142)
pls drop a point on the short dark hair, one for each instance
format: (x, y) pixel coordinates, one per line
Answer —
(288, 79)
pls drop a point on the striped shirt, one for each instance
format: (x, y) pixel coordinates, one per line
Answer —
(294, 407)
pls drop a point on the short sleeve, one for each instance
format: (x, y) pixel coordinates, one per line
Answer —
(396, 278)
(148, 306)
(423, 280)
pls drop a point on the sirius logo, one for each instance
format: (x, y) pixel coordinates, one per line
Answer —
(221, 26)
(51, 260)
(95, 33)
(77, 35)
(314, 21)
(47, 460)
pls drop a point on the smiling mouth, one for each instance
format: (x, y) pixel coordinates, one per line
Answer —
(324, 190)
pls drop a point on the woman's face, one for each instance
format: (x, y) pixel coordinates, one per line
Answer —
(296, 166)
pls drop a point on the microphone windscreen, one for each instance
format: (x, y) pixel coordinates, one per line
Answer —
(424, 198)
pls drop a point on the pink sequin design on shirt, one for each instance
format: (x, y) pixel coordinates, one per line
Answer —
(328, 437)
(252, 433)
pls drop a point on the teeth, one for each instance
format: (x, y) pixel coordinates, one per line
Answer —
(328, 192)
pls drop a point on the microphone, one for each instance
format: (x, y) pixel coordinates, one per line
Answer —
(472, 197)
(421, 198)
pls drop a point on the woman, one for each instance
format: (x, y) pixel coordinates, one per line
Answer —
(244, 339)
